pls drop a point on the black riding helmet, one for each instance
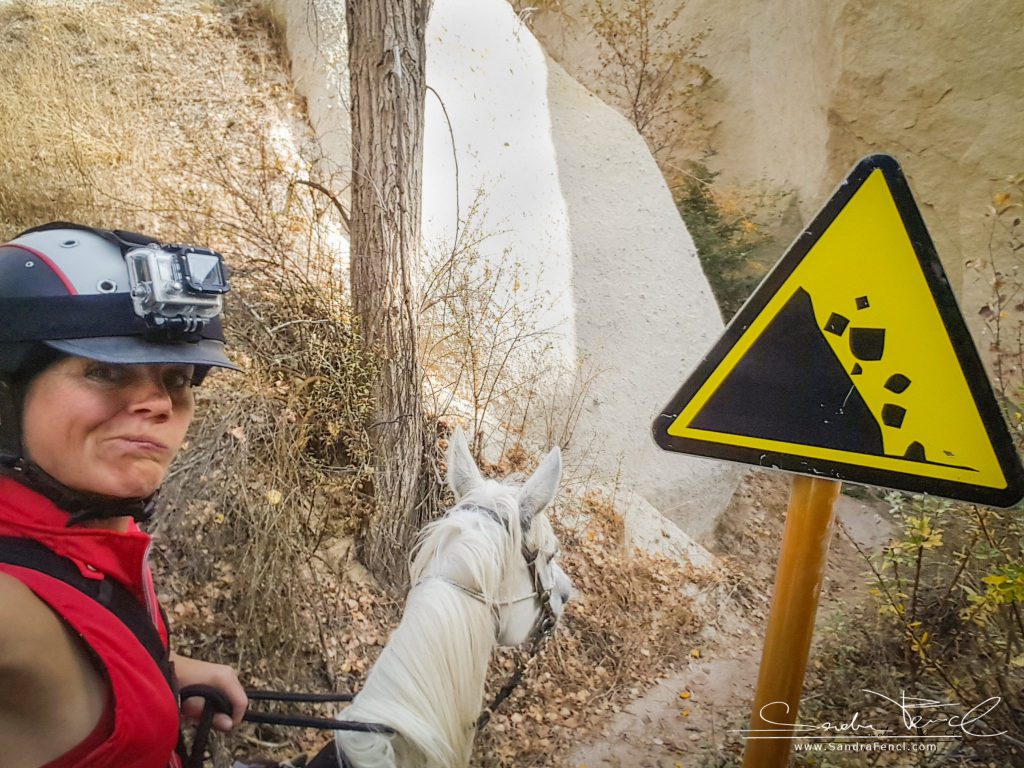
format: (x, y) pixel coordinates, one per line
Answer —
(107, 295)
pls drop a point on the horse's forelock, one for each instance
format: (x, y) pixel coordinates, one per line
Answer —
(472, 532)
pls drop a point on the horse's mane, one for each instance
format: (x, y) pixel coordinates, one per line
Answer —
(428, 683)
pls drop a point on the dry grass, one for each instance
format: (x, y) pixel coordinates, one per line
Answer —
(53, 127)
(106, 103)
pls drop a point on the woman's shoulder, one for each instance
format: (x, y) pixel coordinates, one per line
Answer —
(32, 638)
(27, 625)
(43, 672)
(38, 652)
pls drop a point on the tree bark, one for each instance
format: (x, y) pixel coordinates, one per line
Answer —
(387, 56)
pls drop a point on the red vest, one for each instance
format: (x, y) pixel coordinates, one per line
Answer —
(145, 711)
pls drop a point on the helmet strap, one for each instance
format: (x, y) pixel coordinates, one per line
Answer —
(82, 506)
(10, 419)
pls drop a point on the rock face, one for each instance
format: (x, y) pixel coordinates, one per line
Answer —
(568, 193)
(643, 312)
(802, 89)
(939, 87)
(316, 38)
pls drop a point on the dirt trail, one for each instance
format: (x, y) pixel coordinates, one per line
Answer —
(686, 719)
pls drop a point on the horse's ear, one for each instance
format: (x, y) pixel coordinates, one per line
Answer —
(463, 475)
(540, 489)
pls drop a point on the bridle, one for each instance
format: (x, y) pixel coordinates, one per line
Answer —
(546, 619)
(542, 629)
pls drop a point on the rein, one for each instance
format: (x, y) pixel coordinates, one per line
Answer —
(539, 635)
(217, 703)
(537, 644)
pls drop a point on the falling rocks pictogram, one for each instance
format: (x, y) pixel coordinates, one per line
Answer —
(791, 387)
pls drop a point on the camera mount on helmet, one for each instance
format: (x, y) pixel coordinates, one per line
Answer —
(113, 296)
(177, 289)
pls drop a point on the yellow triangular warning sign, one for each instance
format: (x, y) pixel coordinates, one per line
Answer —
(852, 361)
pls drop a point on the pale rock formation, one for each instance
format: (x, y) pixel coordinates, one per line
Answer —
(802, 89)
(316, 38)
(647, 529)
(940, 87)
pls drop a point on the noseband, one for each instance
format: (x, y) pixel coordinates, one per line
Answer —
(547, 619)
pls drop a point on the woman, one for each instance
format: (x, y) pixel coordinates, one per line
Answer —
(102, 337)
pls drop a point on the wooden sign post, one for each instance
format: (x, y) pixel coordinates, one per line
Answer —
(787, 642)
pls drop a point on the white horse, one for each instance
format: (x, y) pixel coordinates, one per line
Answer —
(485, 574)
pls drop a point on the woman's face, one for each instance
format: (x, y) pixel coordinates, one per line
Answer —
(106, 428)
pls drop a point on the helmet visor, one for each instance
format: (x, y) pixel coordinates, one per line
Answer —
(131, 350)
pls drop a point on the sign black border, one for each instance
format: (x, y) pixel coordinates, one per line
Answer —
(956, 328)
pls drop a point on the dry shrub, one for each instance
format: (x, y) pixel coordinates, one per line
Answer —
(271, 479)
(488, 355)
(943, 623)
(651, 71)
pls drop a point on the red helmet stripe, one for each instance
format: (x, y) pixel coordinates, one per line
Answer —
(49, 262)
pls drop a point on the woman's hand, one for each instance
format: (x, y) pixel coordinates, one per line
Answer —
(222, 677)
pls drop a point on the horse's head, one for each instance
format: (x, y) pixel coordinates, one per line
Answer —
(533, 589)
(486, 572)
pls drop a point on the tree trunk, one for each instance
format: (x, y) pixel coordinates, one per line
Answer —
(387, 55)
